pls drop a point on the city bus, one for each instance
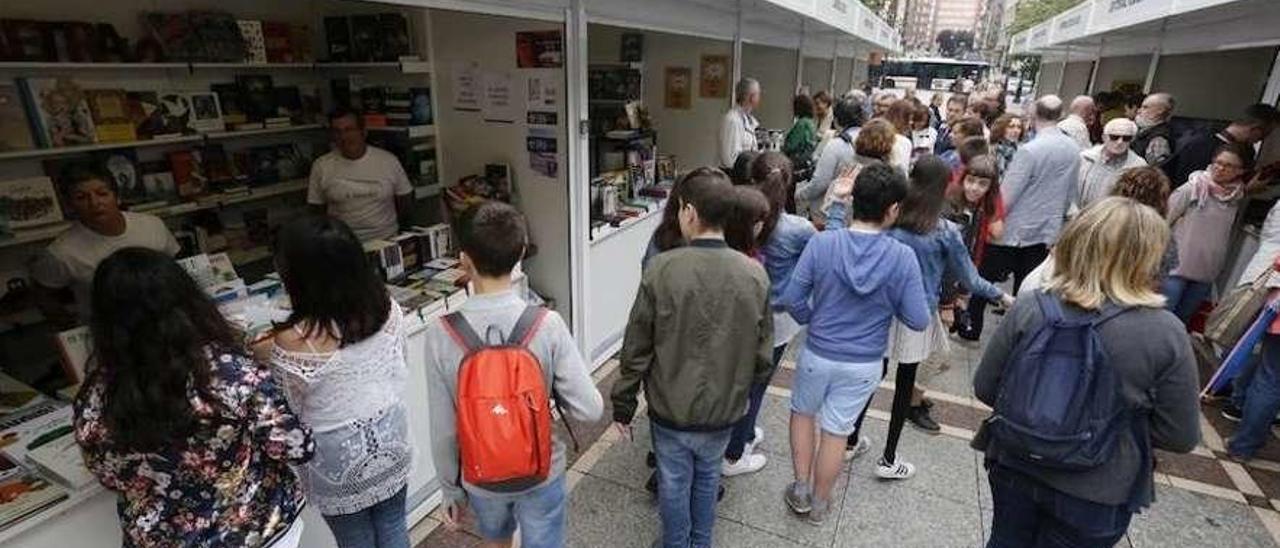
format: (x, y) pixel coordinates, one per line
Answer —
(928, 73)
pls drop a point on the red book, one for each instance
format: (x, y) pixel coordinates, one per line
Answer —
(278, 37)
(187, 174)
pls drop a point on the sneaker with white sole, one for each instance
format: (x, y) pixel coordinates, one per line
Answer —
(798, 498)
(894, 470)
(864, 445)
(755, 442)
(749, 463)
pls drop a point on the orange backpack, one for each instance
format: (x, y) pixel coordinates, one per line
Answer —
(503, 409)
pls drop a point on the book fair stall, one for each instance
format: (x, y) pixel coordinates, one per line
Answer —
(208, 116)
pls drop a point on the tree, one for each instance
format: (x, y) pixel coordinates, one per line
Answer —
(954, 43)
(1033, 12)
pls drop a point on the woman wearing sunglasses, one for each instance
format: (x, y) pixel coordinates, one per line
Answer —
(1100, 166)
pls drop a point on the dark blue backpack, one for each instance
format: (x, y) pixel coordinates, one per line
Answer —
(1059, 404)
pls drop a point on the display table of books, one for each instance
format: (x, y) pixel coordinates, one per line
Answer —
(48, 498)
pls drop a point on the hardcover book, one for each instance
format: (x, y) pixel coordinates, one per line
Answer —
(109, 108)
(176, 109)
(231, 103)
(64, 118)
(73, 41)
(366, 42)
(300, 40)
(15, 130)
(157, 179)
(146, 114)
(173, 32)
(420, 107)
(288, 103)
(216, 165)
(26, 494)
(122, 166)
(263, 165)
(255, 91)
(32, 201)
(255, 45)
(278, 38)
(395, 37)
(206, 113)
(29, 40)
(188, 176)
(218, 37)
(337, 37)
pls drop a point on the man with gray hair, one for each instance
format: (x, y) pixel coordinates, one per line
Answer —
(1076, 125)
(738, 129)
(1154, 141)
(1101, 165)
(1038, 187)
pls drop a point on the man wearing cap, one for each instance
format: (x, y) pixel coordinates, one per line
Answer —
(1101, 165)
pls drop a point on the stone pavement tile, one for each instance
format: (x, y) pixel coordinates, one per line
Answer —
(756, 499)
(603, 513)
(1192, 467)
(732, 534)
(876, 514)
(775, 419)
(945, 466)
(587, 432)
(1183, 518)
(443, 538)
(624, 463)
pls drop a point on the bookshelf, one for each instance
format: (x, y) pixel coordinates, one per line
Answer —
(413, 132)
(213, 136)
(407, 66)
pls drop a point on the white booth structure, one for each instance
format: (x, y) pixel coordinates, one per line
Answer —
(590, 275)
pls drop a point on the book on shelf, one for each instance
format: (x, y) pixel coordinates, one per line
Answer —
(257, 96)
(216, 165)
(300, 40)
(110, 111)
(108, 45)
(59, 110)
(257, 226)
(255, 45)
(312, 106)
(337, 36)
(229, 100)
(147, 115)
(15, 129)
(32, 201)
(25, 494)
(178, 116)
(290, 163)
(366, 44)
(373, 106)
(218, 37)
(206, 112)
(157, 179)
(386, 257)
(278, 37)
(263, 165)
(288, 103)
(122, 166)
(420, 106)
(395, 37)
(72, 41)
(57, 458)
(29, 40)
(188, 175)
(173, 32)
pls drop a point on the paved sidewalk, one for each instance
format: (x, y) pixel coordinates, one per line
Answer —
(1202, 499)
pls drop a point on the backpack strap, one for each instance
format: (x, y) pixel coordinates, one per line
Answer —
(1109, 312)
(1049, 306)
(527, 326)
(462, 333)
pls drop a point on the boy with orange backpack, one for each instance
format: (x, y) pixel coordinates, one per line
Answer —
(493, 369)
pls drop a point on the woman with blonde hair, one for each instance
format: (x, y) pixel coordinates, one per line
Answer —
(1106, 262)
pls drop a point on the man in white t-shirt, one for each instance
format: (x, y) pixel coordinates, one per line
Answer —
(361, 185)
(100, 229)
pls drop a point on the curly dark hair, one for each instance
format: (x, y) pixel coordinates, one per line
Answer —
(1147, 185)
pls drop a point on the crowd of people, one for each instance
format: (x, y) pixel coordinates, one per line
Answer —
(878, 235)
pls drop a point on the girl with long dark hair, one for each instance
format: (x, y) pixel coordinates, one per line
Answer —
(341, 353)
(192, 434)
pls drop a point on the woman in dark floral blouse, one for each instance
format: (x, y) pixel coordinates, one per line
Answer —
(193, 435)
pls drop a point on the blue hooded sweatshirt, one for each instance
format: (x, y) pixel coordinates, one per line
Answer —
(857, 283)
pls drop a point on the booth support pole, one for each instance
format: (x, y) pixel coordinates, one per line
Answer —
(1062, 74)
(835, 60)
(1154, 65)
(1272, 92)
(1097, 62)
(579, 167)
(737, 53)
(800, 58)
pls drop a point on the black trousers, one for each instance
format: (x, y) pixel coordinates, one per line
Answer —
(903, 385)
(998, 262)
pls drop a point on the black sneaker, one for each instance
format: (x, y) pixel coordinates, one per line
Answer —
(919, 417)
(652, 487)
(1232, 413)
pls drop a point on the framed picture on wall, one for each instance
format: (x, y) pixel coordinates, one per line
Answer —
(678, 88)
(632, 47)
(714, 76)
(540, 49)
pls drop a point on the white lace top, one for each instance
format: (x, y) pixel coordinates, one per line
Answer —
(352, 399)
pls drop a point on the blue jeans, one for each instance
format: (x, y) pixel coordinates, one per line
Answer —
(1261, 402)
(744, 431)
(688, 479)
(1183, 297)
(381, 525)
(540, 514)
(1029, 514)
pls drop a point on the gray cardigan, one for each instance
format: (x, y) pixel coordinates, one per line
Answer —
(1158, 376)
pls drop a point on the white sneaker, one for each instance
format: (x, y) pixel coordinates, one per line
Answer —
(755, 442)
(896, 470)
(748, 464)
(864, 445)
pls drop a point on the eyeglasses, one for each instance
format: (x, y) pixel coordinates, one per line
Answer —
(1125, 138)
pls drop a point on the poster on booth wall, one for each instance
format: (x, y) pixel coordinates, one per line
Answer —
(542, 147)
(714, 76)
(466, 85)
(539, 49)
(678, 88)
(542, 93)
(496, 104)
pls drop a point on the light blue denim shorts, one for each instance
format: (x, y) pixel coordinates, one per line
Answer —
(833, 391)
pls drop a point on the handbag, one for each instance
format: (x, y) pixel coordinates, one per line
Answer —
(1229, 320)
